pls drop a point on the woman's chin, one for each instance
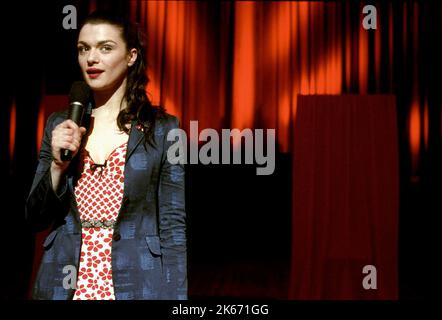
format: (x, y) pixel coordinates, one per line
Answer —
(96, 85)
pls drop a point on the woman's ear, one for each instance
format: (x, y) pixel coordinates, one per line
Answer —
(132, 57)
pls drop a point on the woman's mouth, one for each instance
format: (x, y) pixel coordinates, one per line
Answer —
(94, 73)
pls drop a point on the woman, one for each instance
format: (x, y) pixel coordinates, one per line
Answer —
(117, 209)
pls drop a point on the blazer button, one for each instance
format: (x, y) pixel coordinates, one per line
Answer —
(117, 237)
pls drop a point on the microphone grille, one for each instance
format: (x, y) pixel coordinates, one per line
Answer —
(80, 92)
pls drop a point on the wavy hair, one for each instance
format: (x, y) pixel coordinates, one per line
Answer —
(139, 107)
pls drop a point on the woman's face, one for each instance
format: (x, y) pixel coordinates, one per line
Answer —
(103, 56)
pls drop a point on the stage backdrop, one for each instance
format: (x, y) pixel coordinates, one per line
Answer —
(345, 198)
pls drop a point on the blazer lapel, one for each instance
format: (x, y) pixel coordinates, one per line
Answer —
(135, 138)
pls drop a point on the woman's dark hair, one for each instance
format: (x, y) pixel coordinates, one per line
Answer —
(139, 107)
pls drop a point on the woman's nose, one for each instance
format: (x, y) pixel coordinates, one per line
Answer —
(92, 57)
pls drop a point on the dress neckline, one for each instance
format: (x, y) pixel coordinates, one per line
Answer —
(108, 157)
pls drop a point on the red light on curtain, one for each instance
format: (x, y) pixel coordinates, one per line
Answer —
(244, 65)
(40, 125)
(334, 66)
(348, 45)
(378, 50)
(318, 49)
(155, 29)
(317, 56)
(303, 43)
(294, 38)
(414, 128)
(312, 63)
(337, 74)
(416, 120)
(390, 46)
(283, 59)
(332, 52)
(280, 50)
(363, 59)
(175, 41)
(48, 105)
(426, 123)
(12, 129)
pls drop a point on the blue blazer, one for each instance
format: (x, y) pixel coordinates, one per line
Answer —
(149, 256)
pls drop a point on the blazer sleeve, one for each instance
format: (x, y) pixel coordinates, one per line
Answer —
(172, 222)
(43, 205)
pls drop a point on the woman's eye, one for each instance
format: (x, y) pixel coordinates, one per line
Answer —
(82, 50)
(106, 48)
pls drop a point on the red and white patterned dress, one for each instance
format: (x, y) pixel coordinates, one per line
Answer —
(99, 192)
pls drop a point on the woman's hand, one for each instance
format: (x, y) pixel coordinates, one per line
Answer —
(67, 135)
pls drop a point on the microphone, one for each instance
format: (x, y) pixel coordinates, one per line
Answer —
(78, 99)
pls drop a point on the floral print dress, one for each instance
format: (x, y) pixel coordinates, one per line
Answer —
(99, 192)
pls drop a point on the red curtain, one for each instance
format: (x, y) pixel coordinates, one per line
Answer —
(345, 197)
(241, 64)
